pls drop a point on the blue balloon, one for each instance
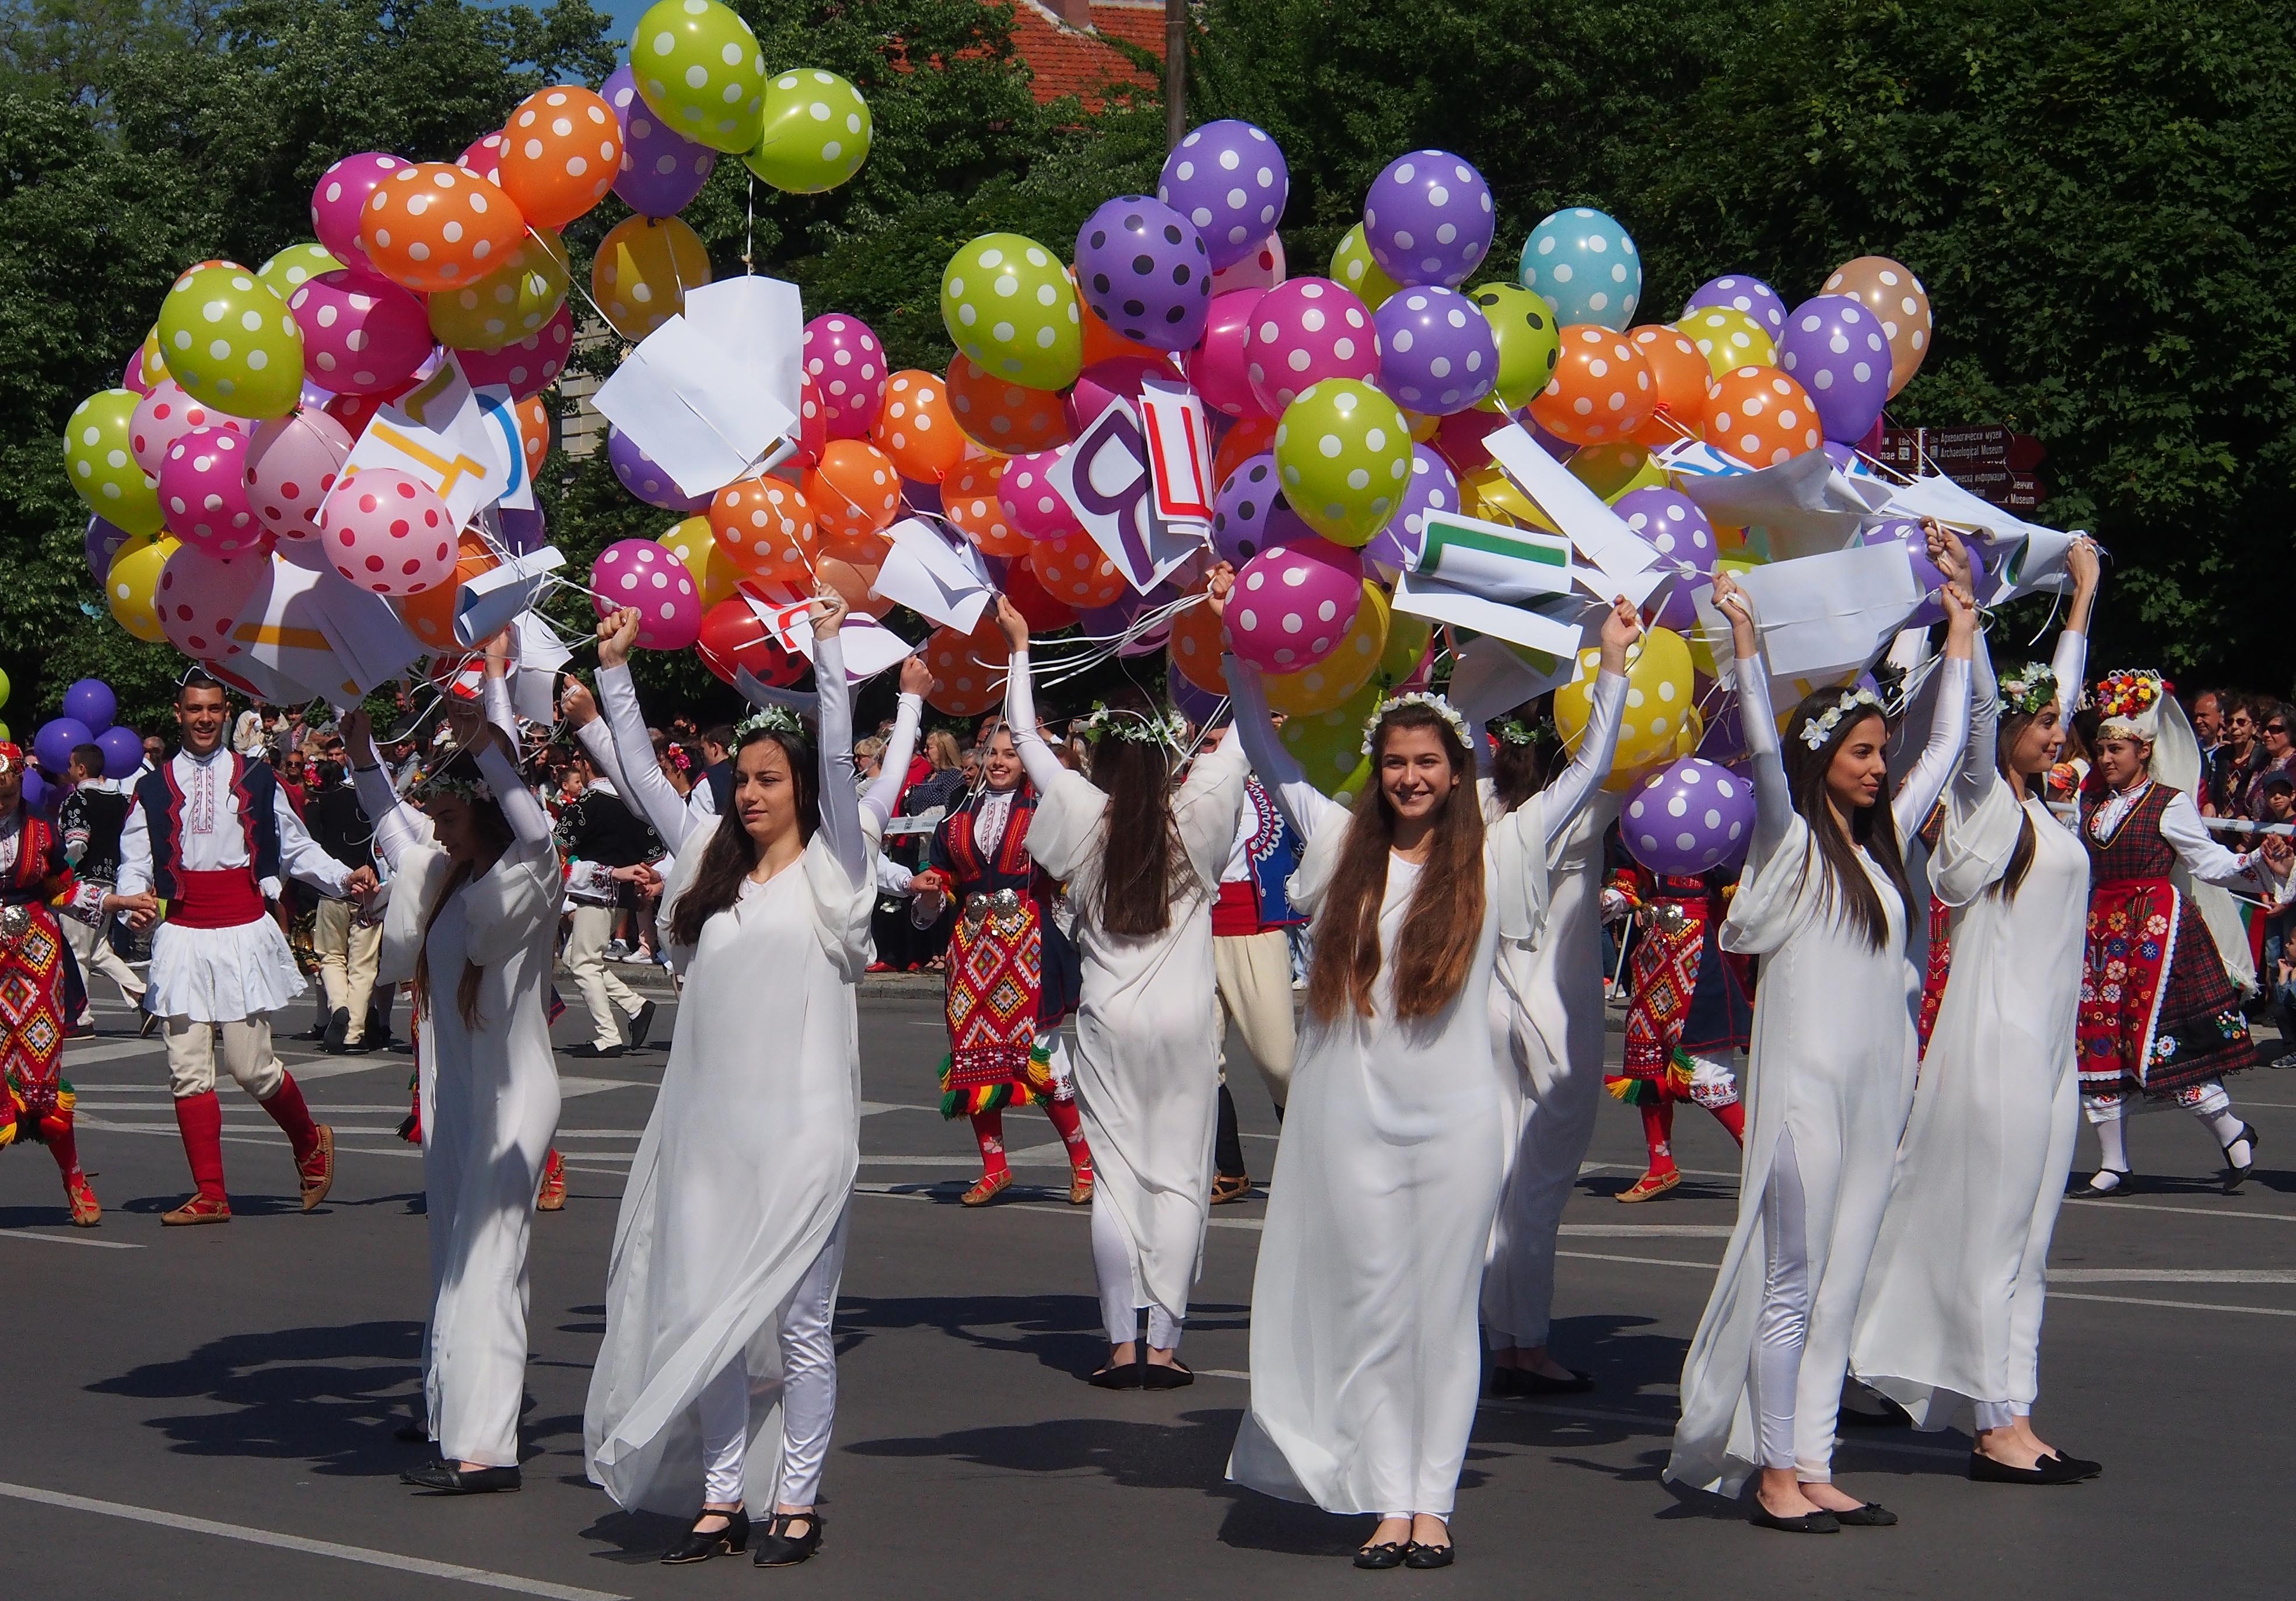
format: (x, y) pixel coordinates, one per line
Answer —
(1585, 265)
(123, 751)
(53, 744)
(90, 701)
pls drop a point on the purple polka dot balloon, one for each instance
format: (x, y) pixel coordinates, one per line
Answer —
(1437, 352)
(643, 478)
(1229, 179)
(641, 573)
(1834, 348)
(1428, 220)
(1689, 818)
(1906, 531)
(1433, 488)
(103, 543)
(1250, 514)
(661, 171)
(1294, 605)
(1673, 524)
(1144, 270)
(1741, 293)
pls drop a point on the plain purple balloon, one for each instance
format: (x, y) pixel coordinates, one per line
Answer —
(1689, 818)
(523, 531)
(661, 171)
(1197, 704)
(1249, 513)
(1229, 179)
(1428, 220)
(1437, 352)
(1741, 292)
(53, 744)
(643, 478)
(123, 751)
(1671, 522)
(1433, 488)
(39, 793)
(90, 701)
(1145, 271)
(1834, 348)
(103, 542)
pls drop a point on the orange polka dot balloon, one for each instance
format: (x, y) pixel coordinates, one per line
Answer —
(917, 428)
(1601, 389)
(534, 433)
(430, 616)
(968, 670)
(1195, 644)
(970, 497)
(562, 151)
(1074, 571)
(1678, 378)
(765, 528)
(1003, 416)
(1760, 416)
(856, 490)
(434, 225)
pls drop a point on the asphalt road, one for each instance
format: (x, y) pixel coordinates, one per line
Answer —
(209, 1412)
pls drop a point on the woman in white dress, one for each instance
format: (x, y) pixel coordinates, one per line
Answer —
(1366, 1356)
(474, 921)
(1953, 1301)
(1828, 1082)
(717, 1374)
(1142, 865)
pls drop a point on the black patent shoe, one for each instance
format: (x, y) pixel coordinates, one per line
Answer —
(1871, 1514)
(444, 1478)
(1429, 1557)
(2049, 1470)
(700, 1545)
(1113, 1377)
(1820, 1521)
(2239, 1172)
(1386, 1554)
(778, 1548)
(2093, 1191)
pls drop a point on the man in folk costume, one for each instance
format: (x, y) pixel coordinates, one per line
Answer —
(90, 820)
(1692, 1007)
(1013, 973)
(1251, 958)
(205, 848)
(2166, 962)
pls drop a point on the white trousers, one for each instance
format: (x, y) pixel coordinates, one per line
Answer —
(95, 957)
(247, 1056)
(808, 1393)
(2000, 1415)
(348, 954)
(1253, 973)
(1798, 1405)
(1112, 1266)
(603, 993)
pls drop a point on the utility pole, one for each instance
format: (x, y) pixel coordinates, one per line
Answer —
(1175, 72)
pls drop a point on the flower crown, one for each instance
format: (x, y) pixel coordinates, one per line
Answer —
(1817, 730)
(1515, 731)
(2029, 690)
(1103, 722)
(2128, 694)
(1435, 703)
(769, 719)
(437, 783)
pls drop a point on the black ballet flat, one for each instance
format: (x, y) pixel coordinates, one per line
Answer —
(778, 1548)
(2120, 1177)
(2239, 1174)
(1418, 1556)
(2049, 1470)
(1872, 1515)
(1524, 1381)
(2080, 1465)
(1160, 1375)
(445, 1479)
(1386, 1554)
(1127, 1377)
(1820, 1521)
(732, 1540)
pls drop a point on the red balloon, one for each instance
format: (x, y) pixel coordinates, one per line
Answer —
(732, 638)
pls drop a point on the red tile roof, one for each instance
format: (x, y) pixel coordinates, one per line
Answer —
(1066, 60)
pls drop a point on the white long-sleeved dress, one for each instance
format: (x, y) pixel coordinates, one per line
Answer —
(1952, 1308)
(1366, 1356)
(490, 1105)
(1147, 1056)
(1829, 1078)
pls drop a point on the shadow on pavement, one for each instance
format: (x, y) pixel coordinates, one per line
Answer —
(1187, 1452)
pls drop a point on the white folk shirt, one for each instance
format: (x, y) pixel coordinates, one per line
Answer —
(212, 838)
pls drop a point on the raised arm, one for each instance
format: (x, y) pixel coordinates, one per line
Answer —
(1044, 768)
(884, 791)
(1307, 808)
(2072, 645)
(1772, 800)
(1569, 788)
(1979, 771)
(840, 797)
(491, 749)
(1912, 804)
(657, 800)
(398, 825)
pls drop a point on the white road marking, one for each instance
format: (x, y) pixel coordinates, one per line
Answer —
(67, 1239)
(2172, 1275)
(311, 1547)
(2189, 1211)
(2177, 1306)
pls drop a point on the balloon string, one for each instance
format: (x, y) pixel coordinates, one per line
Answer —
(750, 229)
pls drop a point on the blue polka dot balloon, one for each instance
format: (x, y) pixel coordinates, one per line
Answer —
(1586, 266)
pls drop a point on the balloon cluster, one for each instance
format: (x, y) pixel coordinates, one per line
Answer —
(85, 718)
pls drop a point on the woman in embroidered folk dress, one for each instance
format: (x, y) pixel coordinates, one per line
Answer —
(1830, 1075)
(1953, 1301)
(474, 921)
(1365, 1356)
(718, 1374)
(1141, 864)
(36, 1102)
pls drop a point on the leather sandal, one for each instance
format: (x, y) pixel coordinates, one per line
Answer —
(317, 1171)
(1080, 1188)
(86, 1211)
(198, 1209)
(987, 1188)
(1231, 1186)
(552, 1197)
(1650, 1186)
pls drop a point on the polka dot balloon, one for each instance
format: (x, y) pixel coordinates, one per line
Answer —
(639, 474)
(339, 204)
(733, 641)
(1728, 339)
(1741, 292)
(1345, 671)
(1294, 605)
(203, 494)
(1614, 469)
(973, 497)
(511, 302)
(1249, 516)
(433, 225)
(1833, 347)
(643, 267)
(296, 265)
(1343, 454)
(968, 670)
(1007, 303)
(1671, 522)
(108, 474)
(917, 428)
(1036, 510)
(1354, 266)
(527, 367)
(166, 414)
(562, 151)
(847, 366)
(1001, 415)
(387, 533)
(1437, 352)
(430, 616)
(1689, 818)
(640, 573)
(1528, 337)
(1303, 332)
(361, 335)
(1229, 179)
(855, 491)
(1678, 378)
(1892, 292)
(1194, 644)
(765, 528)
(1601, 389)
(484, 157)
(1659, 680)
(695, 543)
(202, 597)
(661, 170)
(1220, 366)
(700, 69)
(1074, 571)
(1760, 416)
(1586, 266)
(817, 130)
(1144, 270)
(1428, 220)
(231, 343)
(1433, 488)
(131, 585)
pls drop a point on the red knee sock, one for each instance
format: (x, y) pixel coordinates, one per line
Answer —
(989, 1130)
(295, 1118)
(56, 1133)
(1732, 1117)
(1071, 1126)
(1658, 1132)
(200, 1119)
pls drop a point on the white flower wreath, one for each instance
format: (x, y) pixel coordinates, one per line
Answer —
(769, 719)
(1818, 729)
(1435, 703)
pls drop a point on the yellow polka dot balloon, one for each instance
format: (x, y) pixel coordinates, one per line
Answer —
(1615, 469)
(715, 573)
(1729, 337)
(1328, 744)
(1007, 303)
(1658, 699)
(1348, 669)
(817, 131)
(100, 460)
(1353, 266)
(296, 265)
(132, 586)
(231, 342)
(642, 269)
(699, 67)
(510, 303)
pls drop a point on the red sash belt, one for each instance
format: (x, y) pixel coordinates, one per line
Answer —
(1237, 910)
(227, 899)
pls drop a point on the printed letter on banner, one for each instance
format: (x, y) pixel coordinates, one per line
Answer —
(439, 433)
(1104, 478)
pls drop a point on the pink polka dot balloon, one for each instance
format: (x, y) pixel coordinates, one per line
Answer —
(1262, 269)
(812, 421)
(527, 367)
(847, 366)
(1218, 366)
(1294, 605)
(166, 414)
(1036, 508)
(484, 157)
(203, 494)
(388, 532)
(202, 598)
(361, 335)
(339, 198)
(641, 573)
(1303, 331)
(291, 465)
(1689, 818)
(133, 378)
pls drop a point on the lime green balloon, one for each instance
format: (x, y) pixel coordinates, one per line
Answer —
(1615, 469)
(231, 343)
(1008, 304)
(296, 265)
(1528, 340)
(4, 692)
(101, 464)
(1407, 638)
(1344, 452)
(817, 132)
(699, 67)
(1352, 263)
(1328, 745)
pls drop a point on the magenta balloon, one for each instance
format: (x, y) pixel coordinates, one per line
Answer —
(166, 414)
(641, 573)
(1036, 509)
(339, 196)
(1689, 818)
(847, 365)
(1218, 366)
(661, 171)
(1304, 330)
(291, 465)
(1104, 382)
(362, 335)
(1294, 603)
(132, 376)
(203, 494)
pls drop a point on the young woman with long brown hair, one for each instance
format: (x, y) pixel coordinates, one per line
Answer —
(474, 921)
(1365, 1355)
(1823, 902)
(1142, 864)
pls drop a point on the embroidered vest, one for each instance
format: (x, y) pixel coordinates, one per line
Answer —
(253, 783)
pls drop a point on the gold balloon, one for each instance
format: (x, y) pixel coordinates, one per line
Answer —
(642, 269)
(1658, 699)
(1893, 294)
(132, 586)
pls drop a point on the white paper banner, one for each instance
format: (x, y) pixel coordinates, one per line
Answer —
(1623, 559)
(441, 433)
(712, 394)
(1104, 478)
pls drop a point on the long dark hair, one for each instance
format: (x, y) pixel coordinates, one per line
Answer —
(1142, 866)
(496, 836)
(1443, 924)
(2021, 857)
(1519, 771)
(732, 855)
(1874, 827)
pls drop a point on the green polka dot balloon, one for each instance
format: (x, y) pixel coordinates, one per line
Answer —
(1344, 452)
(101, 464)
(231, 343)
(1328, 745)
(1529, 341)
(1353, 266)
(1007, 303)
(817, 131)
(296, 265)
(699, 67)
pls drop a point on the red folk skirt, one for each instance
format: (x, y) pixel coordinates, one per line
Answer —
(2157, 1012)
